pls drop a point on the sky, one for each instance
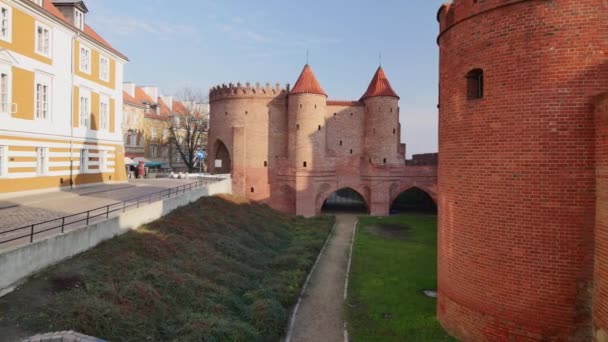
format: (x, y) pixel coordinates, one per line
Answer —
(177, 44)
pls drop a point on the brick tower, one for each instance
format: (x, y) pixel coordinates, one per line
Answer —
(517, 169)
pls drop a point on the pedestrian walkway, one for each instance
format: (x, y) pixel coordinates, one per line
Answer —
(319, 316)
(26, 210)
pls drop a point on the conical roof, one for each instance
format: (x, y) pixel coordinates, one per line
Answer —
(307, 83)
(379, 86)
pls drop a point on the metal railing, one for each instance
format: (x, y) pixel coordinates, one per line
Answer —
(86, 217)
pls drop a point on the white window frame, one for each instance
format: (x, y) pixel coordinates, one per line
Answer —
(104, 73)
(7, 108)
(84, 64)
(38, 45)
(84, 114)
(153, 133)
(84, 160)
(132, 139)
(43, 80)
(3, 161)
(153, 151)
(104, 118)
(42, 161)
(79, 19)
(8, 36)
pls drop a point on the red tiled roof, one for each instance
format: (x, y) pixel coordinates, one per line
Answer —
(179, 108)
(126, 98)
(141, 96)
(164, 109)
(379, 86)
(307, 83)
(88, 31)
(343, 103)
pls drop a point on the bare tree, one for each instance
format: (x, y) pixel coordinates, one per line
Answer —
(188, 125)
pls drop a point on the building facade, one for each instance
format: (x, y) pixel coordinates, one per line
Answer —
(155, 116)
(293, 148)
(61, 95)
(132, 123)
(523, 218)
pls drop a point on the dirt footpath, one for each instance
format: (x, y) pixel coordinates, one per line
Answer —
(320, 315)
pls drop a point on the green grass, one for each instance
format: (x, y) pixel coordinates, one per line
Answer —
(220, 269)
(387, 277)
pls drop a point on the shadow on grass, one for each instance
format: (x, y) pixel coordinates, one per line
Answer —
(218, 269)
(390, 268)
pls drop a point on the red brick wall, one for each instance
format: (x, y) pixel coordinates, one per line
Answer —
(516, 172)
(600, 305)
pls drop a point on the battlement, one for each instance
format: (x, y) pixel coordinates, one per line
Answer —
(456, 11)
(238, 90)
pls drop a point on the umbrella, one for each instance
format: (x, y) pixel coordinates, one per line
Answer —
(129, 161)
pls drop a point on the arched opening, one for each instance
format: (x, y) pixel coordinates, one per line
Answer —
(222, 162)
(345, 200)
(413, 200)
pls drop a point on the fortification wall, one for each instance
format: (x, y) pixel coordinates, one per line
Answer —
(600, 305)
(345, 130)
(251, 122)
(516, 172)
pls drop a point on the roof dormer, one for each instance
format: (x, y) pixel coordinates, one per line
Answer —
(73, 11)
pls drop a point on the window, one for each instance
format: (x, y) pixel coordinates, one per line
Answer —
(153, 151)
(79, 19)
(165, 152)
(475, 84)
(42, 97)
(5, 23)
(103, 161)
(103, 114)
(85, 110)
(3, 161)
(43, 40)
(133, 140)
(153, 133)
(178, 157)
(84, 160)
(104, 68)
(42, 160)
(85, 59)
(5, 90)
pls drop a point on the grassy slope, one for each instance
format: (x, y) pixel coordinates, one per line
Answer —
(385, 299)
(216, 270)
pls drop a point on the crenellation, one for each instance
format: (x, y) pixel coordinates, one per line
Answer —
(236, 90)
(295, 130)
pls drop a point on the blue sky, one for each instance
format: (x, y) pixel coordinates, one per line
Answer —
(200, 43)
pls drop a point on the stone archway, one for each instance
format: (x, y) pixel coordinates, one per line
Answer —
(221, 162)
(413, 199)
(344, 199)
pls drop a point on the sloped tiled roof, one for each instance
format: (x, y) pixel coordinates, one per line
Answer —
(307, 83)
(379, 86)
(126, 98)
(141, 96)
(88, 31)
(164, 109)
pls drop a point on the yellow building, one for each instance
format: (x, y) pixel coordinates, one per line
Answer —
(60, 98)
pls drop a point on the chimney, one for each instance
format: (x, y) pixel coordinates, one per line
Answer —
(168, 100)
(129, 88)
(152, 92)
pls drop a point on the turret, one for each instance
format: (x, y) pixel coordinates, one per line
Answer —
(307, 106)
(382, 136)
